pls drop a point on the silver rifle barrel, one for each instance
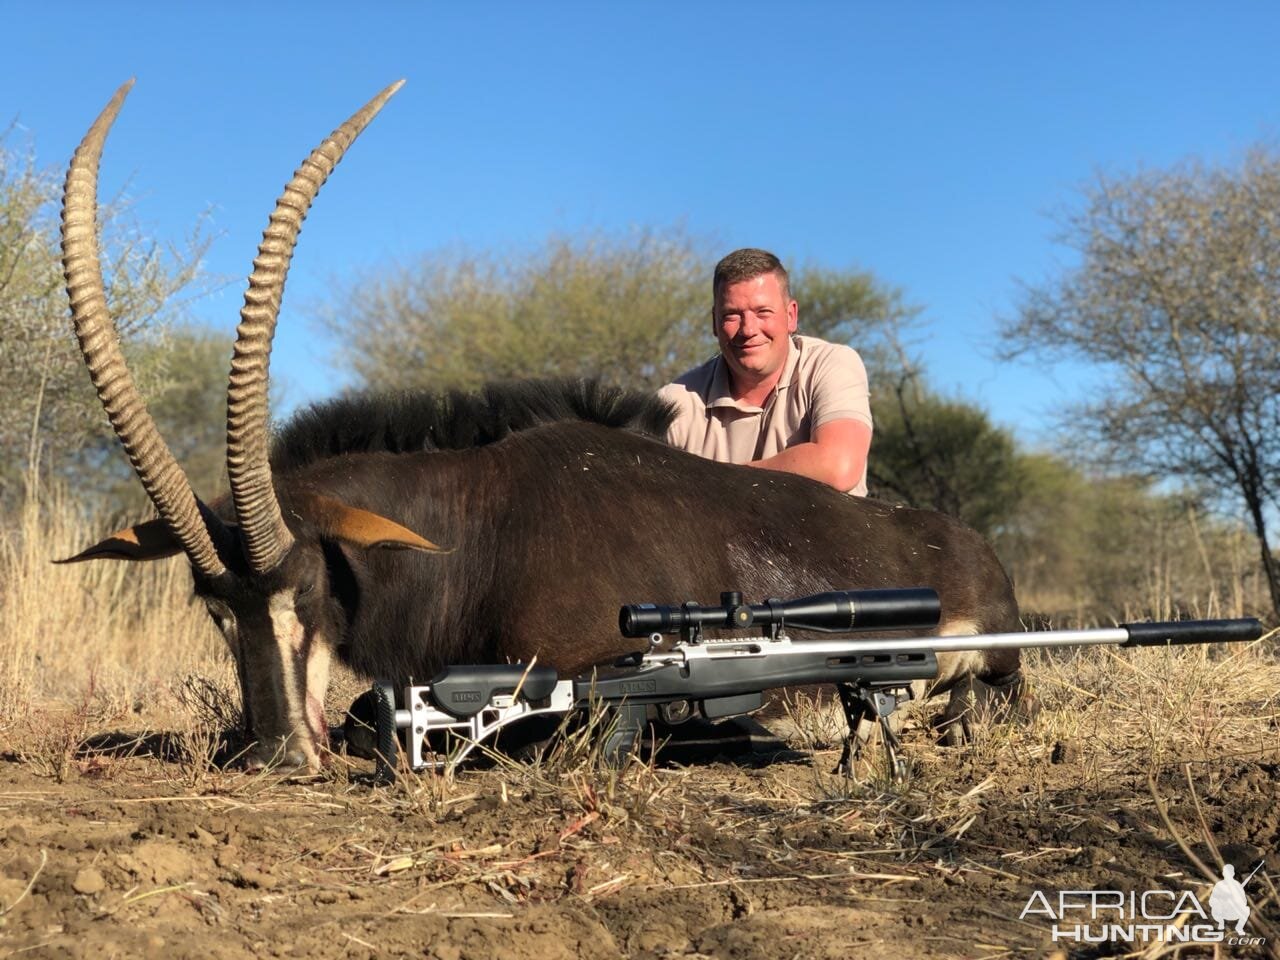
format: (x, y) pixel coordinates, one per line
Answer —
(999, 641)
(1176, 633)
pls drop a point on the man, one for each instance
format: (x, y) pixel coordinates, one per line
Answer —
(1227, 900)
(771, 398)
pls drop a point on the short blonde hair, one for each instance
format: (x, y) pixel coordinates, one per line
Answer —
(747, 264)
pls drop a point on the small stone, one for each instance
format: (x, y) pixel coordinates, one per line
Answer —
(204, 837)
(247, 876)
(1065, 751)
(88, 882)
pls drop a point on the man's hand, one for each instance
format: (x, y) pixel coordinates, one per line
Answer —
(836, 455)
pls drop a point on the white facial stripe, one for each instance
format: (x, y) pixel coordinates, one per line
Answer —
(290, 637)
(284, 621)
(318, 657)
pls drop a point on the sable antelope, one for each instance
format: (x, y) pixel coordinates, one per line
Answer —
(555, 505)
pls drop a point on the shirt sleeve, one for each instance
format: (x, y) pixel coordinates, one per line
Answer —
(678, 396)
(839, 388)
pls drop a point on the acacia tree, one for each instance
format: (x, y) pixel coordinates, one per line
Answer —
(1176, 297)
(634, 310)
(48, 413)
(187, 397)
(855, 307)
(941, 454)
(624, 309)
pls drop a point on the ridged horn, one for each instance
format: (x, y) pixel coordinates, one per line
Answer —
(163, 479)
(266, 537)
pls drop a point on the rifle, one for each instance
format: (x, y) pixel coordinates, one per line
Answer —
(718, 676)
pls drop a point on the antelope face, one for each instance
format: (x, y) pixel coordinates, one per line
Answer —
(280, 629)
(281, 625)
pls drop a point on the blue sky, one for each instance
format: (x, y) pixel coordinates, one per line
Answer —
(926, 142)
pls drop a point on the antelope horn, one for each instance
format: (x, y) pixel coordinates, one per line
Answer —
(163, 479)
(266, 537)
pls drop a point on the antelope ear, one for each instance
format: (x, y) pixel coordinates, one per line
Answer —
(152, 540)
(361, 527)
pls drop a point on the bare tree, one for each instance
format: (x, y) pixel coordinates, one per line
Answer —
(1176, 297)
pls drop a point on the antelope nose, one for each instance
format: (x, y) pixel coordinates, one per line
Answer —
(293, 759)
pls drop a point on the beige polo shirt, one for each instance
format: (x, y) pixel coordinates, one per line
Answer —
(821, 381)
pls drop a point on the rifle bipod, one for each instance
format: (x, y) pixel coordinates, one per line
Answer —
(871, 703)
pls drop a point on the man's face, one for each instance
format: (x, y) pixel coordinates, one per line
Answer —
(753, 320)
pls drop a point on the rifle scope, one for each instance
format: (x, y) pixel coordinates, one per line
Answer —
(839, 611)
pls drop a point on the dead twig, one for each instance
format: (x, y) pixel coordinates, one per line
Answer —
(44, 859)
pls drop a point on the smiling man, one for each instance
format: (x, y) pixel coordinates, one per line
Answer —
(772, 398)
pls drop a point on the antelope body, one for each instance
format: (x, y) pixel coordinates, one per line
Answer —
(547, 505)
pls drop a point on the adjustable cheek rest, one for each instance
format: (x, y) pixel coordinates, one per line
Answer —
(463, 692)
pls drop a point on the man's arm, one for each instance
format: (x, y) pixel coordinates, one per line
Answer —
(837, 454)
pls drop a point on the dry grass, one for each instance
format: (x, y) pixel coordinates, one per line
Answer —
(1166, 706)
(124, 630)
(708, 826)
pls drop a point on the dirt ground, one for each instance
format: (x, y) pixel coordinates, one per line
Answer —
(115, 841)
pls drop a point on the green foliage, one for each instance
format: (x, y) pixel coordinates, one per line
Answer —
(635, 310)
(944, 455)
(190, 403)
(1088, 546)
(49, 414)
(187, 398)
(1107, 548)
(852, 306)
(1044, 542)
(632, 311)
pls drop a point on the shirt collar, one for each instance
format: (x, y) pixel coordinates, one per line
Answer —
(719, 395)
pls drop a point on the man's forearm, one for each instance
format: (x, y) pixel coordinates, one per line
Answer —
(836, 456)
(834, 468)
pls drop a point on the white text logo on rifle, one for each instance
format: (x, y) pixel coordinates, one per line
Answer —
(1130, 916)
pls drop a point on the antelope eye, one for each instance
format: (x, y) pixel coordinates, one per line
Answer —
(305, 591)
